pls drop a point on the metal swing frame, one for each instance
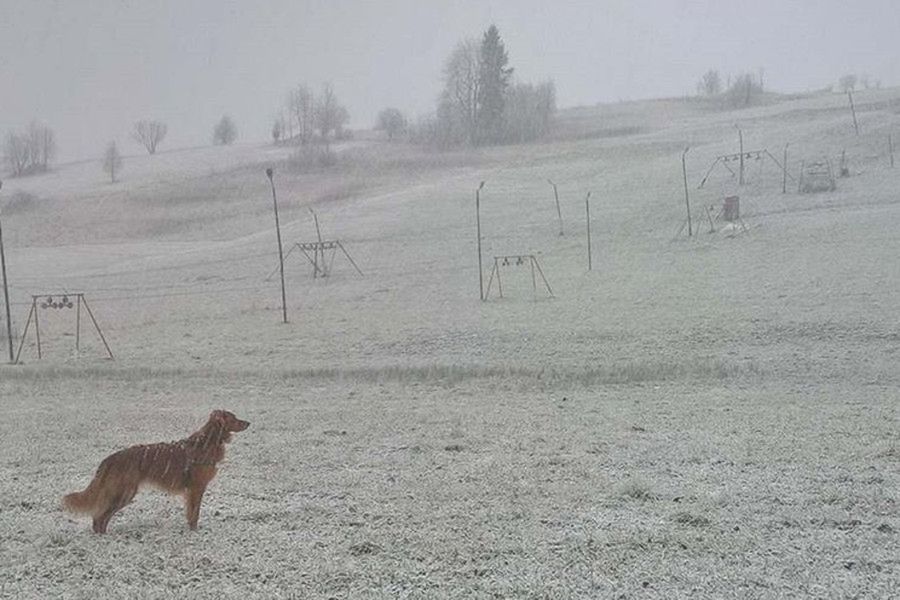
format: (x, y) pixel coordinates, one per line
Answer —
(517, 260)
(65, 303)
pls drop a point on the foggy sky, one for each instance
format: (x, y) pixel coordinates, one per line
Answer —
(90, 68)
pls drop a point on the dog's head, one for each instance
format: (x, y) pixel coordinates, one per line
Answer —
(227, 422)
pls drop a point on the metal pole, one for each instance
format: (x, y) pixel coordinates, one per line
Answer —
(558, 211)
(6, 295)
(96, 326)
(350, 258)
(478, 227)
(741, 138)
(25, 332)
(78, 324)
(533, 280)
(37, 327)
(784, 171)
(270, 174)
(587, 209)
(853, 110)
(891, 145)
(687, 198)
(319, 249)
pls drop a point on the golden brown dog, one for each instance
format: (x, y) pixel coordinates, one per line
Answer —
(185, 467)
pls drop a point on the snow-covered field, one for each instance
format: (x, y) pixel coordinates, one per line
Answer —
(707, 417)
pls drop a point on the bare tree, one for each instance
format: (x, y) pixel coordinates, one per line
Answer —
(462, 89)
(112, 161)
(30, 152)
(330, 115)
(149, 134)
(744, 90)
(301, 106)
(529, 111)
(392, 122)
(710, 84)
(42, 143)
(17, 154)
(847, 83)
(225, 131)
(278, 129)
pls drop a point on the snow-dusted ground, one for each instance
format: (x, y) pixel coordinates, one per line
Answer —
(713, 417)
(473, 488)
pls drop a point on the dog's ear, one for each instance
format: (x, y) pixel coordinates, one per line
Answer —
(218, 417)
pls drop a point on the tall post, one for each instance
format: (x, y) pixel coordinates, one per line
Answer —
(78, 323)
(687, 198)
(270, 174)
(37, 326)
(853, 110)
(784, 171)
(320, 249)
(587, 210)
(6, 294)
(741, 139)
(891, 146)
(558, 211)
(478, 227)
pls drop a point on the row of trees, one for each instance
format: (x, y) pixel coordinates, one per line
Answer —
(745, 89)
(481, 104)
(850, 81)
(741, 90)
(30, 151)
(151, 133)
(309, 117)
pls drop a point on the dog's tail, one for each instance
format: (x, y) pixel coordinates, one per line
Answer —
(85, 502)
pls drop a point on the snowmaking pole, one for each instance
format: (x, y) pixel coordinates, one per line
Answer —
(6, 293)
(270, 174)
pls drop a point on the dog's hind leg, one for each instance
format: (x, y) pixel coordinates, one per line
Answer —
(119, 502)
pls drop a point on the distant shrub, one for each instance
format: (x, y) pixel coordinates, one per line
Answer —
(149, 134)
(745, 90)
(847, 83)
(112, 161)
(225, 132)
(342, 134)
(19, 202)
(31, 151)
(392, 122)
(529, 111)
(312, 158)
(710, 84)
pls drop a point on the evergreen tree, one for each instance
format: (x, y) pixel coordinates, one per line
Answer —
(112, 161)
(494, 78)
(225, 132)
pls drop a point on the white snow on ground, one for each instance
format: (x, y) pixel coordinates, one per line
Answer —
(707, 417)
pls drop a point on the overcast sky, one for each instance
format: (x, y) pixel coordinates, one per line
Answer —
(90, 68)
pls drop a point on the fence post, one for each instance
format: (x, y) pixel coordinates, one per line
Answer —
(6, 295)
(587, 207)
(687, 199)
(478, 229)
(853, 110)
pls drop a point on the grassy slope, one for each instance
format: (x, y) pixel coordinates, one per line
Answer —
(746, 380)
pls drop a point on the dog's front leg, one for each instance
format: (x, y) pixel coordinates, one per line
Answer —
(192, 505)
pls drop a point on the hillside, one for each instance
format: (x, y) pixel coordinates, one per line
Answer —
(186, 227)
